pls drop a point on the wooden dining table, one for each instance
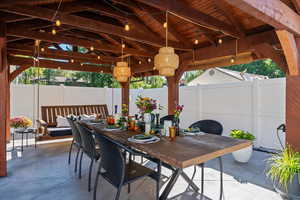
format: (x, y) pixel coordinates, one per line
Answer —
(183, 152)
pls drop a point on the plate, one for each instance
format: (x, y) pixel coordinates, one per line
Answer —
(143, 138)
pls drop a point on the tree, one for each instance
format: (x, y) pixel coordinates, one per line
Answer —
(262, 67)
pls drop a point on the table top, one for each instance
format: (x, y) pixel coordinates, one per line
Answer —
(184, 151)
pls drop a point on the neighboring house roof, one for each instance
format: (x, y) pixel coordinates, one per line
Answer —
(224, 76)
(243, 76)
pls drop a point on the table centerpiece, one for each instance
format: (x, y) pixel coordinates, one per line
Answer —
(20, 123)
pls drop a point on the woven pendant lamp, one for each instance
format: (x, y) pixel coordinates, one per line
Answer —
(122, 71)
(166, 61)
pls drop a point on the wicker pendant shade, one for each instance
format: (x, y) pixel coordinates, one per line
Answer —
(166, 61)
(122, 72)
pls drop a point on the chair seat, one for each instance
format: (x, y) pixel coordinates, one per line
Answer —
(133, 171)
(54, 132)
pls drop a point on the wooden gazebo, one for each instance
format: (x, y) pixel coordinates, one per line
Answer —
(204, 33)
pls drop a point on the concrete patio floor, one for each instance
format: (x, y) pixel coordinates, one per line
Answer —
(44, 174)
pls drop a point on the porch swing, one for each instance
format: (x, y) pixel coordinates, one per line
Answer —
(47, 126)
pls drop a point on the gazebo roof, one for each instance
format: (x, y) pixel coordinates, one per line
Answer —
(100, 24)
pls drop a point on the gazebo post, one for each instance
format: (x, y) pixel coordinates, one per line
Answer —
(290, 45)
(173, 93)
(4, 100)
(125, 93)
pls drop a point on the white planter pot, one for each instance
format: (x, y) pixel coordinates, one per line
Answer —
(243, 155)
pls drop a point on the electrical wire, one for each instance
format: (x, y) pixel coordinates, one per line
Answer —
(56, 11)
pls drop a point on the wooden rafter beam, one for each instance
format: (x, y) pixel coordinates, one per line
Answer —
(17, 72)
(59, 54)
(8, 3)
(229, 14)
(273, 12)
(297, 5)
(35, 35)
(181, 9)
(291, 52)
(90, 25)
(58, 65)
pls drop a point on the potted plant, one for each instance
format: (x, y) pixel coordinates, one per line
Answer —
(284, 170)
(20, 123)
(242, 155)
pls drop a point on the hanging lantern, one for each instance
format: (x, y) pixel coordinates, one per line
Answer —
(166, 61)
(122, 72)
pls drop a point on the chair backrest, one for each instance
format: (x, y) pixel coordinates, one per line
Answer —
(209, 126)
(112, 159)
(88, 141)
(75, 131)
(167, 117)
(50, 113)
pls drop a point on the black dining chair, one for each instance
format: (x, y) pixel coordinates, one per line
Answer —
(167, 117)
(76, 142)
(210, 127)
(116, 171)
(88, 148)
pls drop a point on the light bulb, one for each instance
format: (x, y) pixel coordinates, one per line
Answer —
(58, 68)
(92, 48)
(72, 60)
(81, 64)
(102, 71)
(220, 41)
(58, 22)
(232, 60)
(98, 57)
(196, 42)
(53, 31)
(42, 49)
(165, 25)
(123, 46)
(149, 59)
(140, 62)
(127, 27)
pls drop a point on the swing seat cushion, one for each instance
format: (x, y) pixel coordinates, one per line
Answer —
(56, 132)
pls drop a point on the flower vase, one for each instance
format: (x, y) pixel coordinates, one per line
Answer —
(147, 118)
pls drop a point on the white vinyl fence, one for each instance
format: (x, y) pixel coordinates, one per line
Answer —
(257, 107)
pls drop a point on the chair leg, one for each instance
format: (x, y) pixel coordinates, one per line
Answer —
(128, 188)
(118, 193)
(80, 165)
(76, 160)
(70, 152)
(96, 181)
(221, 178)
(202, 180)
(158, 180)
(90, 173)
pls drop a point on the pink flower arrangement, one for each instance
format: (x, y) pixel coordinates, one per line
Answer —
(178, 110)
(20, 122)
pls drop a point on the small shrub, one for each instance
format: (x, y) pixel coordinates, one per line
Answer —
(240, 134)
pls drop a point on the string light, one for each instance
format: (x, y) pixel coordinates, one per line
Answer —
(72, 60)
(140, 62)
(196, 42)
(57, 22)
(220, 41)
(232, 60)
(149, 59)
(101, 71)
(123, 45)
(59, 68)
(42, 49)
(53, 31)
(127, 27)
(98, 57)
(81, 64)
(165, 25)
(92, 48)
